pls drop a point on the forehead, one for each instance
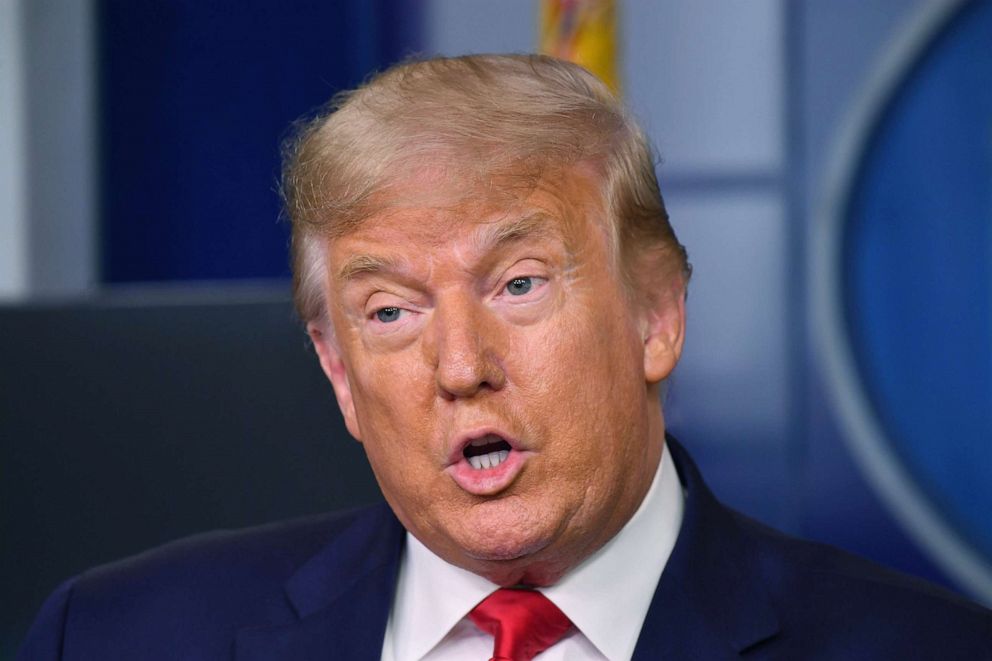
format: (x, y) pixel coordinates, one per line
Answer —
(437, 209)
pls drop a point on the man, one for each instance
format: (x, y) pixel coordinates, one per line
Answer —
(484, 264)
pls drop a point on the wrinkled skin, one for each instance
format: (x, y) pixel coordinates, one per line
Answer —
(568, 369)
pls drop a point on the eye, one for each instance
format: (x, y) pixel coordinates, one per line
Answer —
(388, 315)
(519, 286)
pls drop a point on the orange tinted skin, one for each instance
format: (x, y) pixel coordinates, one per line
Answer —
(559, 362)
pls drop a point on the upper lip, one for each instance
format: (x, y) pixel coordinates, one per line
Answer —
(464, 438)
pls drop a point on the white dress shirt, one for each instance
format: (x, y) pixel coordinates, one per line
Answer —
(606, 597)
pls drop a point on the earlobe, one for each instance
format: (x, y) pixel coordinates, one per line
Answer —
(664, 335)
(334, 368)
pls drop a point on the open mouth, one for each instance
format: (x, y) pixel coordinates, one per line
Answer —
(486, 463)
(488, 451)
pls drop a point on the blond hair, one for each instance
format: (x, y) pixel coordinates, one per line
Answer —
(511, 115)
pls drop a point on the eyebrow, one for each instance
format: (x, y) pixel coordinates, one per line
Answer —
(497, 235)
(359, 265)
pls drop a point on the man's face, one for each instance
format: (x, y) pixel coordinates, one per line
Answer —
(485, 354)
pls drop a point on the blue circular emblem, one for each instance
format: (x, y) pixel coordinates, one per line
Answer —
(903, 286)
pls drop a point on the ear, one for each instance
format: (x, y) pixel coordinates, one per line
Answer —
(664, 333)
(333, 366)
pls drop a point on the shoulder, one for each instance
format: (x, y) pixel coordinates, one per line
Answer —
(234, 558)
(759, 586)
(193, 593)
(834, 597)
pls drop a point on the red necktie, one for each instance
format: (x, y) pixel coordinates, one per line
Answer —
(523, 622)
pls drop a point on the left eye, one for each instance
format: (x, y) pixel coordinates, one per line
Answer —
(519, 286)
(387, 315)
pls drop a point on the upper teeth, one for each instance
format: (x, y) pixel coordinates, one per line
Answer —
(490, 460)
(485, 440)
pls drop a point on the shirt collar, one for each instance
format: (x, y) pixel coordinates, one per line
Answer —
(602, 597)
(425, 578)
(606, 597)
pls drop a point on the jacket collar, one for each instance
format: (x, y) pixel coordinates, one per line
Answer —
(341, 597)
(709, 602)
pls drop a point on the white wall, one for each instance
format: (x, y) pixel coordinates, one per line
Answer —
(48, 182)
(457, 27)
(13, 192)
(706, 77)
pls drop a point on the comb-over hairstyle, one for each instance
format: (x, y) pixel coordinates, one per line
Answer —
(496, 117)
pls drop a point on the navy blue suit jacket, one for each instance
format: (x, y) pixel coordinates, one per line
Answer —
(321, 588)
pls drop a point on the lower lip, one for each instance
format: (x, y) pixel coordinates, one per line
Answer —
(488, 481)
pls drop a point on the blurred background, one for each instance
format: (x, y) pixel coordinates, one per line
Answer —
(828, 165)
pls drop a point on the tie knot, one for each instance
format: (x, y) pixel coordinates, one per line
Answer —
(523, 623)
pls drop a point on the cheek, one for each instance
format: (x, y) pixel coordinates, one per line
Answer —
(386, 400)
(397, 440)
(584, 384)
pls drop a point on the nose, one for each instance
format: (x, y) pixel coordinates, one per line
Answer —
(462, 343)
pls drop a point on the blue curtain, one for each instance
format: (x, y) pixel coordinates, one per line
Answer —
(194, 99)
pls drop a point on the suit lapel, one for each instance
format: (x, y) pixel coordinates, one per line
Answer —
(709, 603)
(342, 598)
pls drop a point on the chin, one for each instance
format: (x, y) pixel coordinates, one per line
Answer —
(504, 550)
(504, 531)
(499, 538)
(509, 557)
